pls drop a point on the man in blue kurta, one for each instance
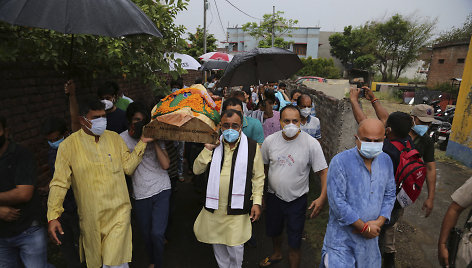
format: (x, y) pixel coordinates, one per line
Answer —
(361, 195)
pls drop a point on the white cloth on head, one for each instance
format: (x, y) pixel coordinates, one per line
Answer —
(228, 257)
(239, 176)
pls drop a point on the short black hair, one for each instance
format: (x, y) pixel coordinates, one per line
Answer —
(231, 112)
(295, 91)
(290, 107)
(138, 107)
(282, 84)
(299, 100)
(400, 123)
(90, 105)
(232, 102)
(108, 88)
(238, 93)
(3, 122)
(177, 83)
(198, 80)
(270, 96)
(53, 124)
(247, 90)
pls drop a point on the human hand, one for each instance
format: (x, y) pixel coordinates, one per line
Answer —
(369, 95)
(255, 213)
(428, 206)
(354, 94)
(210, 146)
(146, 140)
(69, 88)
(53, 227)
(443, 255)
(317, 206)
(9, 214)
(373, 230)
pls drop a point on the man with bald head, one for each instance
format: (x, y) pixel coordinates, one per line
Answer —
(361, 195)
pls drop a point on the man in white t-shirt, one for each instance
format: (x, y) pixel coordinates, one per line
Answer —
(309, 123)
(151, 185)
(288, 156)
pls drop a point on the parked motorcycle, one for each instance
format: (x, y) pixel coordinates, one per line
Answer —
(440, 128)
(435, 104)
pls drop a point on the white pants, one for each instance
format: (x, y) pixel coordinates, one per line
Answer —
(229, 257)
(124, 265)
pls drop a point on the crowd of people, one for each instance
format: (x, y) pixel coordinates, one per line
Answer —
(268, 146)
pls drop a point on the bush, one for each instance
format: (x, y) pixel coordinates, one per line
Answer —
(319, 67)
(446, 87)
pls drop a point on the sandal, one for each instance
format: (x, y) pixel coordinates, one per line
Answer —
(268, 262)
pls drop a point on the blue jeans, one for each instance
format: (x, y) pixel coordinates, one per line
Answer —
(30, 246)
(152, 214)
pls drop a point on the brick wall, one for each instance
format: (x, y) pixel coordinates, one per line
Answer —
(29, 94)
(443, 72)
(338, 125)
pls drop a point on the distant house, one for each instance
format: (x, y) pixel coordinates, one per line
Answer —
(305, 41)
(447, 62)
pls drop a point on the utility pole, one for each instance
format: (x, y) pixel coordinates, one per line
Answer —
(273, 24)
(204, 26)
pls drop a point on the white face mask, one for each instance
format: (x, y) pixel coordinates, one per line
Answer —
(108, 104)
(290, 130)
(98, 125)
(305, 112)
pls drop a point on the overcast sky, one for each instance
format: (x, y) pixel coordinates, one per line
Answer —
(330, 15)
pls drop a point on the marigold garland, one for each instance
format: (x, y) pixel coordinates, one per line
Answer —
(186, 97)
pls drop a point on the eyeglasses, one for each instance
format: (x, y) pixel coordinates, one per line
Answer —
(232, 126)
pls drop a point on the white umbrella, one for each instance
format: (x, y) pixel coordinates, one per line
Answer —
(216, 56)
(187, 62)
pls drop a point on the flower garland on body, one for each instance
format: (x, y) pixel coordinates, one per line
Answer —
(197, 100)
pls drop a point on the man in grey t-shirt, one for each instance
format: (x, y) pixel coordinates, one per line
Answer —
(151, 185)
(288, 156)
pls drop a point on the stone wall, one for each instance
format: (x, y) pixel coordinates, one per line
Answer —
(338, 125)
(29, 94)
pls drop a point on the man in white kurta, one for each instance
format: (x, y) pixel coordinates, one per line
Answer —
(228, 233)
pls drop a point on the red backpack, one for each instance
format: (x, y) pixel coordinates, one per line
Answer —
(410, 174)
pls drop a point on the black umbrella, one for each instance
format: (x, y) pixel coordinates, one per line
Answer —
(260, 65)
(111, 18)
(215, 65)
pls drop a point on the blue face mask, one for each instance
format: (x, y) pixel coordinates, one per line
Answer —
(230, 135)
(420, 129)
(55, 144)
(275, 107)
(294, 103)
(370, 149)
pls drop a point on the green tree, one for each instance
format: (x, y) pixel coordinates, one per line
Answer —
(195, 48)
(354, 47)
(399, 43)
(319, 67)
(263, 31)
(136, 56)
(457, 34)
(388, 46)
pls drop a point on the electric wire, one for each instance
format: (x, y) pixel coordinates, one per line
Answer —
(242, 11)
(221, 23)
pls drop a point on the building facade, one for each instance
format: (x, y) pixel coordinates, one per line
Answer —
(305, 41)
(460, 140)
(447, 62)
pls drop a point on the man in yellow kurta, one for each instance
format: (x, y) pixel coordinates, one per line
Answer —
(93, 162)
(234, 191)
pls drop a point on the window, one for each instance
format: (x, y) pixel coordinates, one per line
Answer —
(299, 49)
(441, 61)
(460, 60)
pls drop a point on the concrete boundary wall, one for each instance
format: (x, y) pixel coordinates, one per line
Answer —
(338, 125)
